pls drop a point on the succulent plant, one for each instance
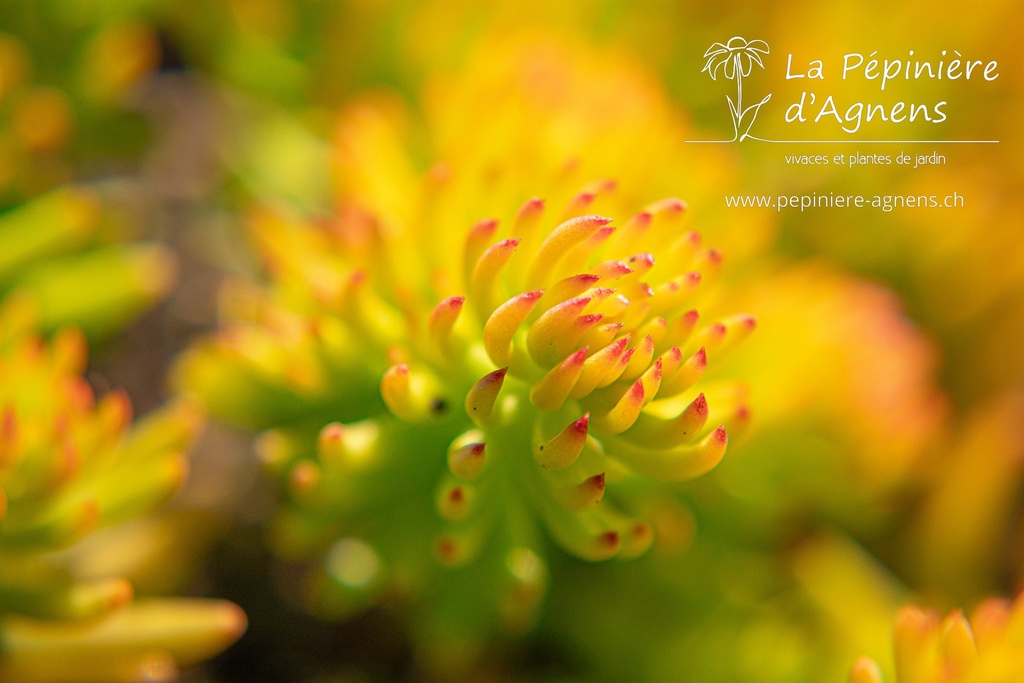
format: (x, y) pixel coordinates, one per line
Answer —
(440, 445)
(71, 463)
(987, 648)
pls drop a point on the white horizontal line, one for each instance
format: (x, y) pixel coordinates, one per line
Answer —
(862, 142)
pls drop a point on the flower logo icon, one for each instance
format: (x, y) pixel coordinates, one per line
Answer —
(736, 60)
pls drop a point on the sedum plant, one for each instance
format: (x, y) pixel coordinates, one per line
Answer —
(927, 648)
(442, 426)
(72, 463)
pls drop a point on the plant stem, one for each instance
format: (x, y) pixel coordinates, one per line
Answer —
(739, 86)
(739, 94)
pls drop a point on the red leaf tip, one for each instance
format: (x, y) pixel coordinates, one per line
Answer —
(617, 346)
(578, 357)
(446, 548)
(643, 219)
(333, 432)
(645, 259)
(657, 369)
(485, 226)
(583, 424)
(636, 391)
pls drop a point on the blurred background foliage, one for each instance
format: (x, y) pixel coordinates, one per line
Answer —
(141, 140)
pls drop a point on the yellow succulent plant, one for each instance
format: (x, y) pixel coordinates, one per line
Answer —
(72, 463)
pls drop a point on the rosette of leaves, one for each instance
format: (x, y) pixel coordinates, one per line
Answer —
(70, 464)
(435, 446)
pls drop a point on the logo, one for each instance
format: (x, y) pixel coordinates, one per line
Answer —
(832, 99)
(736, 59)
